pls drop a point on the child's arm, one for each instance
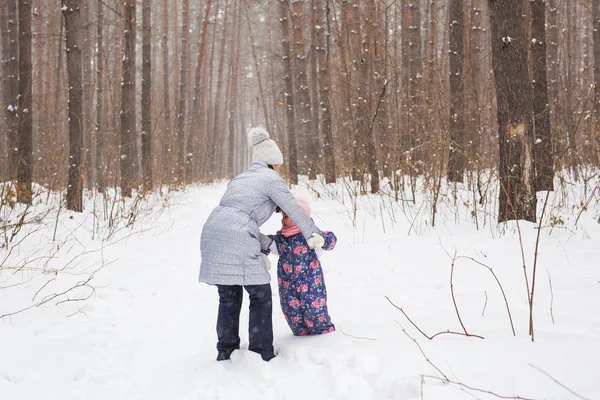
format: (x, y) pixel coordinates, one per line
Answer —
(274, 246)
(330, 240)
(265, 243)
(268, 244)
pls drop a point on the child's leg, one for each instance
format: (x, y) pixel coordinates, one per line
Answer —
(318, 321)
(314, 297)
(291, 307)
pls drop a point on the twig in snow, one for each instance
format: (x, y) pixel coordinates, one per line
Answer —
(485, 304)
(499, 285)
(355, 337)
(557, 382)
(551, 296)
(479, 390)
(422, 352)
(452, 293)
(535, 258)
(423, 333)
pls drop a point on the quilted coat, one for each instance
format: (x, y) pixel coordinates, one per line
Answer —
(231, 242)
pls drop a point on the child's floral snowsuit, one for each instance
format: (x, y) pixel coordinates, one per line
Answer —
(302, 291)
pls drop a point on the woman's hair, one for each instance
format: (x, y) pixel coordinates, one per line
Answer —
(270, 166)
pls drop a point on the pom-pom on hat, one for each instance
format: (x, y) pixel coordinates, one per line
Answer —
(264, 148)
(304, 199)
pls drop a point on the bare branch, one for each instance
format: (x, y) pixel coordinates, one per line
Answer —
(423, 333)
(557, 382)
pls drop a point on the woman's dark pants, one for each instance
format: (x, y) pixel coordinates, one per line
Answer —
(260, 325)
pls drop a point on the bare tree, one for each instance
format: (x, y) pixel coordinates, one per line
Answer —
(382, 139)
(323, 53)
(86, 43)
(553, 68)
(457, 158)
(515, 130)
(308, 140)
(596, 41)
(25, 106)
(360, 70)
(72, 13)
(218, 104)
(314, 147)
(10, 82)
(411, 43)
(198, 123)
(543, 148)
(181, 109)
(100, 139)
(233, 90)
(375, 89)
(128, 131)
(146, 94)
(166, 107)
(289, 90)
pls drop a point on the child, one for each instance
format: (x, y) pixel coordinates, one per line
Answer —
(302, 291)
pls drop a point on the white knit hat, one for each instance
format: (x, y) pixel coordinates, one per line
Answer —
(263, 148)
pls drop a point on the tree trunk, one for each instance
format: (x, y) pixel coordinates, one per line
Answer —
(544, 164)
(515, 130)
(359, 98)
(347, 126)
(10, 83)
(257, 68)
(25, 106)
(87, 90)
(322, 54)
(596, 41)
(375, 90)
(553, 74)
(477, 76)
(183, 87)
(198, 123)
(415, 70)
(146, 95)
(166, 135)
(457, 158)
(308, 140)
(233, 90)
(217, 148)
(128, 160)
(72, 13)
(382, 141)
(314, 145)
(100, 138)
(289, 91)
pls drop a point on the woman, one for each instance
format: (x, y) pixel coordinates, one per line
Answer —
(231, 246)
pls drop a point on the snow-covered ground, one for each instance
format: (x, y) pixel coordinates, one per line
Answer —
(147, 330)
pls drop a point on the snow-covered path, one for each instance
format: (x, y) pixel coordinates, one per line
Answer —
(148, 331)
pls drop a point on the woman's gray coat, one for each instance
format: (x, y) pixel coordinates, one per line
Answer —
(231, 243)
